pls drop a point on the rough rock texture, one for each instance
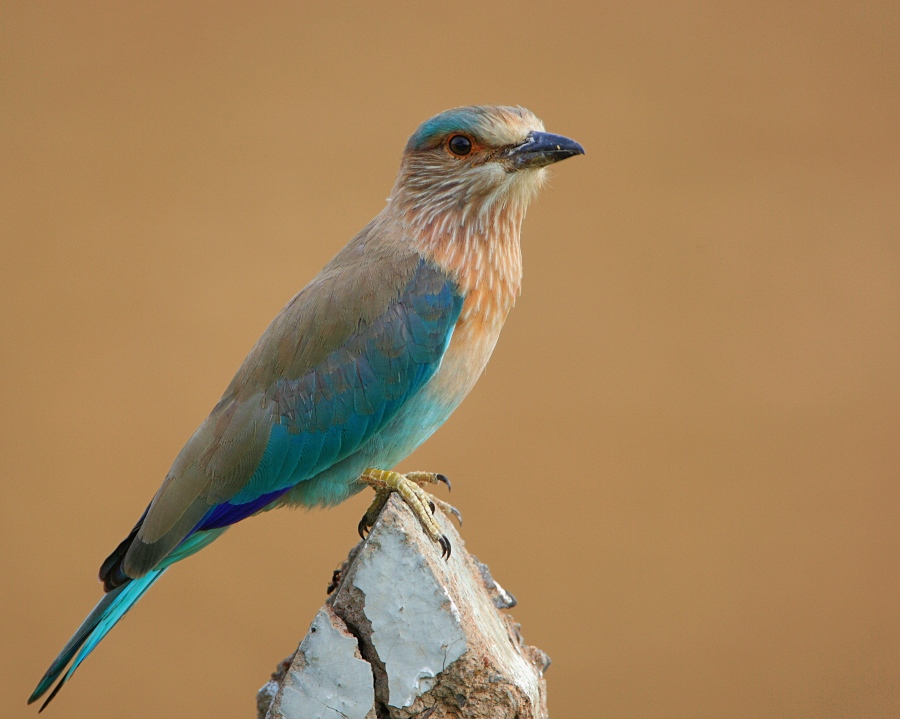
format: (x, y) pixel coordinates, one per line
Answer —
(407, 634)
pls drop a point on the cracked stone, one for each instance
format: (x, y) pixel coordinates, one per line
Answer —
(327, 679)
(416, 626)
(425, 636)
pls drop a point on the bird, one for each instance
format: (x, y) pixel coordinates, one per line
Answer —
(360, 367)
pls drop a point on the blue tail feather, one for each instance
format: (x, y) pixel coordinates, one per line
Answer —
(109, 610)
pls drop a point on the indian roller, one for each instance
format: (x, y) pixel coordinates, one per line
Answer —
(361, 366)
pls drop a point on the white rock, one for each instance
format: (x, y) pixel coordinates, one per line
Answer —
(407, 634)
(416, 627)
(328, 679)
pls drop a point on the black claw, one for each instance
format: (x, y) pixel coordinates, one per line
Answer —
(445, 547)
(431, 504)
(362, 527)
(443, 478)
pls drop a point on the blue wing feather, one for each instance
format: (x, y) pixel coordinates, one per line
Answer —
(335, 408)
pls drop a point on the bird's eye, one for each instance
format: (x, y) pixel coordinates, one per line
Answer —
(460, 145)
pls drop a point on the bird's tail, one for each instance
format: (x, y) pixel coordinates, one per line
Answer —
(109, 610)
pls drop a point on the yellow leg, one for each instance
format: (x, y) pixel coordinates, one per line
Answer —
(409, 488)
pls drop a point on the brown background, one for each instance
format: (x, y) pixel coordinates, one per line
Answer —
(683, 458)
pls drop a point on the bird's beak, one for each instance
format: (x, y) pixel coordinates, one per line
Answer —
(541, 149)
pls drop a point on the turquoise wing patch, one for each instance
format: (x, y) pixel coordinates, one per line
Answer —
(335, 408)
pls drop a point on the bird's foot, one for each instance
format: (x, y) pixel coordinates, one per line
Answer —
(409, 487)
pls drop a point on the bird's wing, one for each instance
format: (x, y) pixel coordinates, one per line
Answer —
(333, 368)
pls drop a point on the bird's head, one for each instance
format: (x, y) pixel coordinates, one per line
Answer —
(470, 162)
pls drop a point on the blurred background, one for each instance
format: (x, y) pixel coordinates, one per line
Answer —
(683, 458)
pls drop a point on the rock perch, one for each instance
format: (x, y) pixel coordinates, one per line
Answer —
(406, 634)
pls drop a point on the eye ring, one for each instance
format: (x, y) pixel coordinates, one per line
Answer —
(459, 145)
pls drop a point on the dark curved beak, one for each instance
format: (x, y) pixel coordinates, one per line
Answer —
(541, 149)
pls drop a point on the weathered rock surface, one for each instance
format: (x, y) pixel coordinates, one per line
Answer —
(407, 634)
